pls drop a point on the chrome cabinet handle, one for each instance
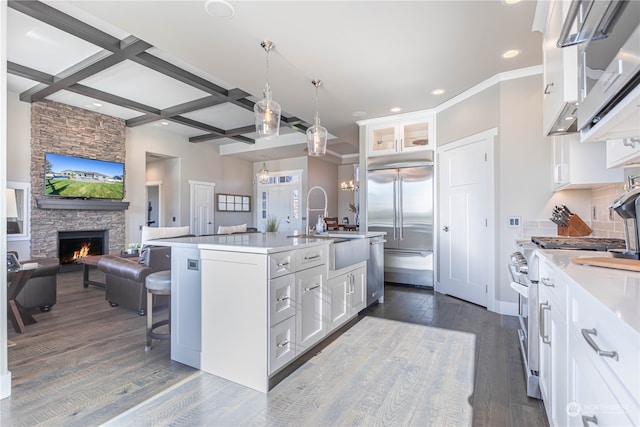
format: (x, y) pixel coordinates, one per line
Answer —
(283, 264)
(546, 89)
(547, 282)
(445, 228)
(308, 258)
(586, 333)
(630, 142)
(283, 344)
(543, 306)
(586, 420)
(284, 298)
(312, 288)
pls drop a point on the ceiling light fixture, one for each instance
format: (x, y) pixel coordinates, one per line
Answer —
(267, 111)
(219, 9)
(396, 109)
(263, 174)
(316, 134)
(349, 186)
(438, 92)
(510, 53)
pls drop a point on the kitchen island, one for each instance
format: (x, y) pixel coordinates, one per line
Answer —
(244, 306)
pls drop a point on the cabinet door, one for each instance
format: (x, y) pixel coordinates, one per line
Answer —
(338, 309)
(415, 135)
(623, 152)
(310, 290)
(544, 364)
(281, 344)
(282, 294)
(558, 375)
(382, 139)
(560, 161)
(358, 290)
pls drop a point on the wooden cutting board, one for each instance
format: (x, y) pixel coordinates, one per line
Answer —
(619, 263)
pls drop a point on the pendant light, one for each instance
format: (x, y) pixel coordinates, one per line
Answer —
(263, 174)
(316, 134)
(267, 111)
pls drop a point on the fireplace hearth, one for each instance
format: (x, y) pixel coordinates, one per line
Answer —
(75, 244)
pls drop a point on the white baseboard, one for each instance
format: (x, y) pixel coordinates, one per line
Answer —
(506, 308)
(5, 385)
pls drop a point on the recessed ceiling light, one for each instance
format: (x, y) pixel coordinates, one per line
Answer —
(438, 92)
(569, 118)
(510, 53)
(510, 1)
(219, 9)
(164, 123)
(396, 109)
(97, 104)
(359, 113)
(561, 129)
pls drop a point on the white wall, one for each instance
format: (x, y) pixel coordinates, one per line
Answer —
(325, 175)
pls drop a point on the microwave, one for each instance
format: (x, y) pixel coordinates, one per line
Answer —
(608, 39)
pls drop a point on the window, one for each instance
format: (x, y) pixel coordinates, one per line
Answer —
(233, 203)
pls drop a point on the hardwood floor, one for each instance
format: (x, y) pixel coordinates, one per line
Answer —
(84, 363)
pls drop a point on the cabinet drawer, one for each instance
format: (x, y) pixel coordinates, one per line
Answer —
(591, 399)
(591, 321)
(281, 344)
(282, 296)
(555, 285)
(281, 263)
(311, 257)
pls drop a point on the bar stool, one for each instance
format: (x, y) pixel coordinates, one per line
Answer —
(158, 283)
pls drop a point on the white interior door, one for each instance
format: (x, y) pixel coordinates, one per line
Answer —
(466, 206)
(280, 199)
(202, 213)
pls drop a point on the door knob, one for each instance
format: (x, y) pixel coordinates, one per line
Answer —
(445, 228)
(209, 222)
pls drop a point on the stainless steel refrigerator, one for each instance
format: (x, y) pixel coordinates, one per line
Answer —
(400, 203)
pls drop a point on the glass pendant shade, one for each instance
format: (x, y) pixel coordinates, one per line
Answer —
(263, 174)
(316, 134)
(317, 139)
(267, 113)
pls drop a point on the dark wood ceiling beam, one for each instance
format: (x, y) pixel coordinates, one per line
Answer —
(62, 21)
(167, 113)
(211, 137)
(196, 124)
(29, 73)
(85, 69)
(113, 99)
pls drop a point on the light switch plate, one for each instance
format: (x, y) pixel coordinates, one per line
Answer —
(515, 221)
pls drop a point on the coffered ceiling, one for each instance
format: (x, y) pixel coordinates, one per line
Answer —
(173, 65)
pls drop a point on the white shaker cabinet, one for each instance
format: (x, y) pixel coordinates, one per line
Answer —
(623, 152)
(560, 74)
(581, 165)
(311, 289)
(347, 293)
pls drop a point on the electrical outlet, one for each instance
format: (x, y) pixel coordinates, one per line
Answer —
(514, 221)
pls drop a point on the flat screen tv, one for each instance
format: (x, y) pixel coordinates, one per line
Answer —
(78, 177)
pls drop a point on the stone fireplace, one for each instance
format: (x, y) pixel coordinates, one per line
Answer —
(63, 129)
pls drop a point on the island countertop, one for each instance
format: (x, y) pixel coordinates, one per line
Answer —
(263, 243)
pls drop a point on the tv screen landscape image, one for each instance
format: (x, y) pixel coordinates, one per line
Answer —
(78, 177)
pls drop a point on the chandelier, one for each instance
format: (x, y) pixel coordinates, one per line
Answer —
(316, 134)
(267, 111)
(348, 186)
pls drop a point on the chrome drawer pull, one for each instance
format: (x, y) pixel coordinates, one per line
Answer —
(586, 333)
(283, 264)
(586, 421)
(544, 306)
(307, 258)
(283, 344)
(547, 282)
(312, 288)
(284, 298)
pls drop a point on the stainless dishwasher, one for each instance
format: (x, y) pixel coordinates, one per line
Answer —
(375, 270)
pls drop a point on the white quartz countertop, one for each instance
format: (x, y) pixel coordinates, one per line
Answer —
(264, 243)
(618, 290)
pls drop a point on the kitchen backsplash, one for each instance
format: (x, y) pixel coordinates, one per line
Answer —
(604, 223)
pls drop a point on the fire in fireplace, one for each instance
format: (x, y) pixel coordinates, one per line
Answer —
(75, 244)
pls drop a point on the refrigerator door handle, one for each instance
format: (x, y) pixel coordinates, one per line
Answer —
(400, 208)
(395, 208)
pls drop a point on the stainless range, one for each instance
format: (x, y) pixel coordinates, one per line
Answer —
(523, 270)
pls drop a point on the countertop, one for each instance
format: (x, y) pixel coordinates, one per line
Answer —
(618, 290)
(264, 243)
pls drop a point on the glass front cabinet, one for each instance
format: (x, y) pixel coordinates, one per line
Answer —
(399, 136)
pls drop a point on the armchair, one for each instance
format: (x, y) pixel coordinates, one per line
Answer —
(41, 289)
(125, 278)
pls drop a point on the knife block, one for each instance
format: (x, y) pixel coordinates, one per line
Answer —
(576, 228)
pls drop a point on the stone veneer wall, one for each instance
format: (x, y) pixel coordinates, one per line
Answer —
(63, 129)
